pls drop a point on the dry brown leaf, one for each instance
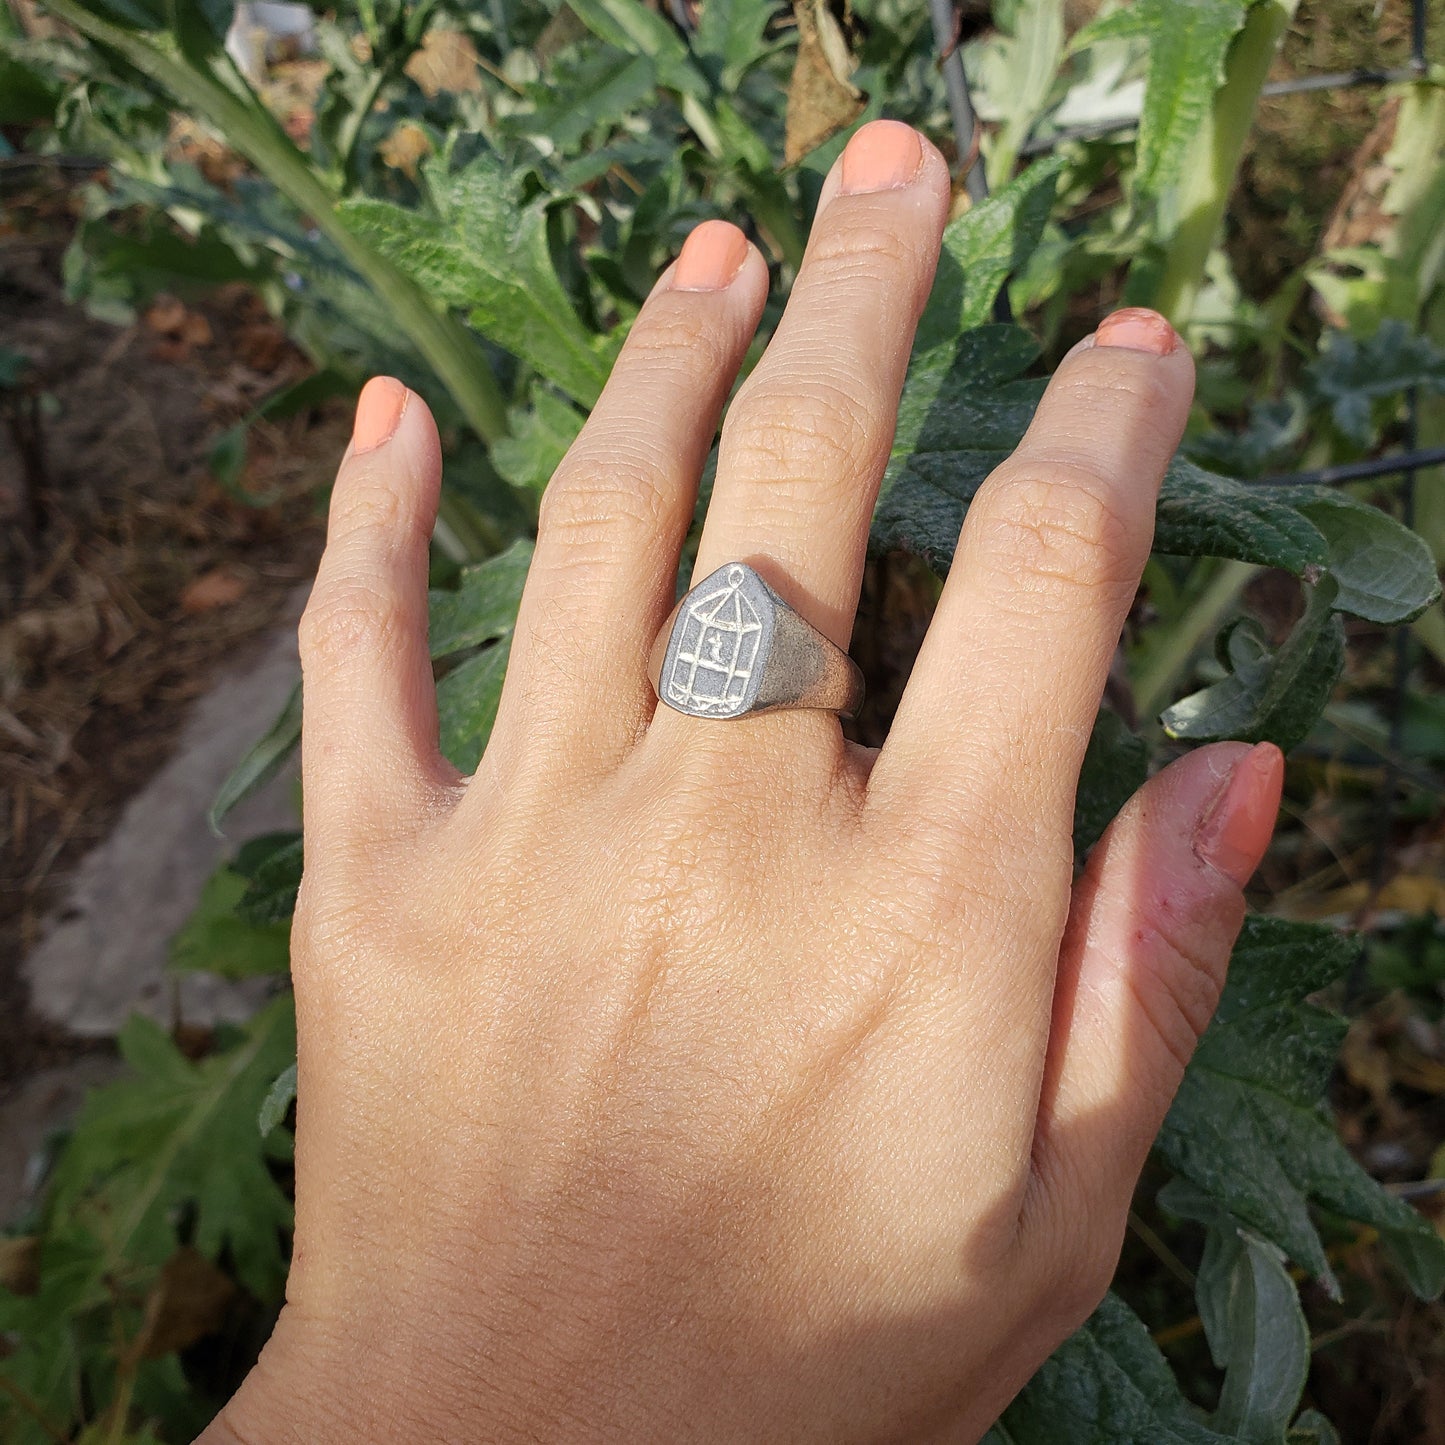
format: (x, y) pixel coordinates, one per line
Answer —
(447, 61)
(190, 1302)
(165, 315)
(821, 98)
(404, 148)
(20, 1264)
(220, 587)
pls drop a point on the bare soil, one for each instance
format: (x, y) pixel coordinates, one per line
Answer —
(127, 575)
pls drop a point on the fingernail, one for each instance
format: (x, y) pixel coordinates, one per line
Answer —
(1236, 828)
(883, 155)
(711, 256)
(378, 413)
(1139, 330)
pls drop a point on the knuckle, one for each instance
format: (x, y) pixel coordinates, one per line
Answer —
(1058, 522)
(1110, 383)
(1177, 987)
(369, 503)
(590, 504)
(669, 339)
(347, 617)
(864, 248)
(799, 427)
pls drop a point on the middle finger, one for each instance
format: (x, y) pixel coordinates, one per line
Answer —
(807, 439)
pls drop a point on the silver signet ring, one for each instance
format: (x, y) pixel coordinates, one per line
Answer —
(733, 646)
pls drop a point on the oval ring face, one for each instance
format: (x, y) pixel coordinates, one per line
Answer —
(719, 646)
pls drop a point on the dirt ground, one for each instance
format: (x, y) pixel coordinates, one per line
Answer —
(127, 575)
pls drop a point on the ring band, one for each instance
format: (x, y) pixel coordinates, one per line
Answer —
(732, 647)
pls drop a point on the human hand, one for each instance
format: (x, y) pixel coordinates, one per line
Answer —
(674, 1080)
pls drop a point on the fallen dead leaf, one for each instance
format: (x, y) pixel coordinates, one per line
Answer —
(191, 1299)
(404, 148)
(447, 61)
(821, 97)
(220, 587)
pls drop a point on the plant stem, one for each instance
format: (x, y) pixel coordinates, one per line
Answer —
(254, 132)
(1170, 658)
(1214, 156)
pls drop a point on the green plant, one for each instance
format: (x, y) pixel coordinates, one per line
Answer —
(498, 269)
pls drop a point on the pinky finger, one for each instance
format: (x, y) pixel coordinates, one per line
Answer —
(1141, 968)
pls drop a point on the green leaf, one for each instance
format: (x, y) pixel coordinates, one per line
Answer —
(1352, 377)
(1385, 572)
(603, 89)
(540, 437)
(1188, 40)
(483, 606)
(481, 612)
(961, 415)
(467, 699)
(177, 1139)
(265, 759)
(1249, 1127)
(216, 939)
(1265, 1347)
(1116, 764)
(981, 249)
(271, 866)
(1202, 514)
(1268, 696)
(485, 250)
(730, 35)
(278, 1100)
(629, 26)
(1108, 1383)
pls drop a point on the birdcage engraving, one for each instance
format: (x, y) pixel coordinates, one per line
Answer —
(716, 650)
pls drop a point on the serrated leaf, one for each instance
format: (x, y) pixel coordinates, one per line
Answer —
(1107, 1383)
(1116, 763)
(1188, 40)
(539, 440)
(981, 248)
(467, 699)
(1352, 376)
(730, 35)
(216, 939)
(1268, 696)
(963, 413)
(485, 250)
(629, 26)
(271, 866)
(483, 606)
(1249, 1127)
(266, 757)
(279, 1098)
(179, 1137)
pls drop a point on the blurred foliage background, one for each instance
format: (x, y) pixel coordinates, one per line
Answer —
(477, 199)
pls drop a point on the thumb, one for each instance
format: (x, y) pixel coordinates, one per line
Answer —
(1151, 926)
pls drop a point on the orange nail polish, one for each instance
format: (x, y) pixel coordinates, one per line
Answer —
(1138, 330)
(378, 413)
(882, 156)
(1237, 826)
(711, 256)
